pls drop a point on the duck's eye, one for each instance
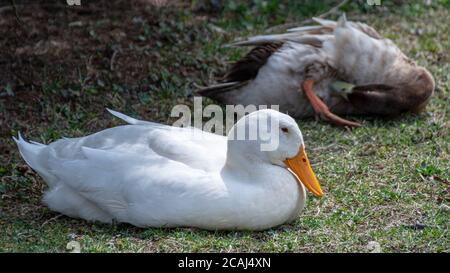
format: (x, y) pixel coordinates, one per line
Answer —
(285, 130)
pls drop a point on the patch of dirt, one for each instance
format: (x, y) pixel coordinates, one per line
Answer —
(76, 40)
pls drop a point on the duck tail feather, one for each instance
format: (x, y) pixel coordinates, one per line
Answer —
(304, 29)
(325, 22)
(31, 152)
(213, 90)
(264, 39)
(134, 121)
(124, 117)
(342, 20)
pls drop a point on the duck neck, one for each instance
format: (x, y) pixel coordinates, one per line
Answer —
(244, 159)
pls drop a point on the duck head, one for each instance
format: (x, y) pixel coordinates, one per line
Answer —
(268, 136)
(410, 91)
(421, 87)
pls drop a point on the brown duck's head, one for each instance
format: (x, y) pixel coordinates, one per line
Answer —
(421, 88)
(408, 90)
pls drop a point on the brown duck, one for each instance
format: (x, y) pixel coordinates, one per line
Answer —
(331, 69)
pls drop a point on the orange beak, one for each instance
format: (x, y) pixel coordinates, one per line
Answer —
(300, 166)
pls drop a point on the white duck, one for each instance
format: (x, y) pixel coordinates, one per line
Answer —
(153, 175)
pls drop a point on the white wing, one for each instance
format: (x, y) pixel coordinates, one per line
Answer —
(190, 146)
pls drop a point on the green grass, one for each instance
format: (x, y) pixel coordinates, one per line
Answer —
(386, 181)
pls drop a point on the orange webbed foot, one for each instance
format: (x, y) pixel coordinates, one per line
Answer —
(321, 109)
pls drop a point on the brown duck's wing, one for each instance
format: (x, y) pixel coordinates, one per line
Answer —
(247, 68)
(213, 90)
(265, 46)
(242, 71)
